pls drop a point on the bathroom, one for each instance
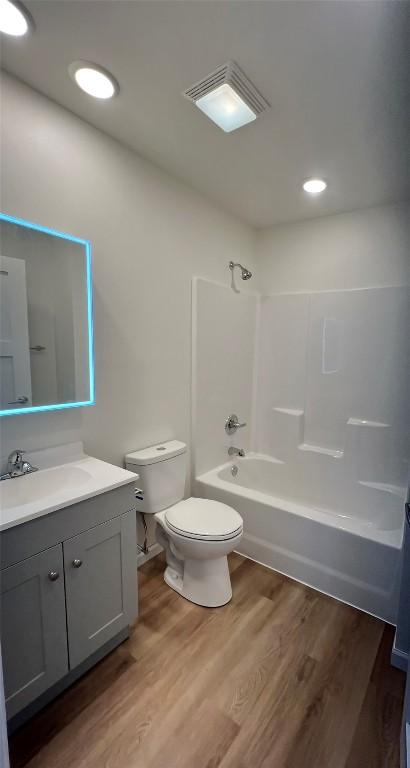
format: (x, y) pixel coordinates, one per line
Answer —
(310, 353)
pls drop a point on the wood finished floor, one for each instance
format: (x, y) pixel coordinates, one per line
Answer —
(282, 677)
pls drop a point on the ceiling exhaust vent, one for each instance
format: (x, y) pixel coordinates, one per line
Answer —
(228, 97)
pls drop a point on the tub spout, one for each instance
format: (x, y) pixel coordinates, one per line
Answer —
(232, 451)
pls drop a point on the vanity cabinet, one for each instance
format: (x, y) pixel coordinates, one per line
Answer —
(98, 592)
(34, 637)
(70, 602)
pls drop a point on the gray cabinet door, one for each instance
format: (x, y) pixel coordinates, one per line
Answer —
(33, 627)
(100, 575)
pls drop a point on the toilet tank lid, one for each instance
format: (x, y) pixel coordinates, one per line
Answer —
(154, 453)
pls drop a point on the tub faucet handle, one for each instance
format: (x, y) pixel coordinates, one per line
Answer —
(232, 424)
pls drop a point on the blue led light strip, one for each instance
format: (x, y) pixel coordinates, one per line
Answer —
(87, 246)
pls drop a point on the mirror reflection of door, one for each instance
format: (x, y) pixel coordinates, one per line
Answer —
(15, 375)
(46, 359)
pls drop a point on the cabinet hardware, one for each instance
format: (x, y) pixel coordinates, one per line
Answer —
(77, 563)
(53, 575)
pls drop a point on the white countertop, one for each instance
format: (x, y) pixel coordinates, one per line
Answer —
(74, 478)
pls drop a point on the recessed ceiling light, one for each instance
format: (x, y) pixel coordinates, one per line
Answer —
(14, 19)
(93, 79)
(314, 186)
(227, 97)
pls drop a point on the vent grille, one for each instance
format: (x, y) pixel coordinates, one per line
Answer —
(231, 74)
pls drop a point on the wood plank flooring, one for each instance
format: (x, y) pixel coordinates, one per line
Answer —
(282, 677)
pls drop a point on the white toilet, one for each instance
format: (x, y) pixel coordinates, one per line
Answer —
(197, 534)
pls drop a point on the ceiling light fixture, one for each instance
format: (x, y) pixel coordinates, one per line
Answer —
(227, 97)
(14, 19)
(93, 79)
(314, 186)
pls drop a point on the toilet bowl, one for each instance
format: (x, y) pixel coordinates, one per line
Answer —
(196, 534)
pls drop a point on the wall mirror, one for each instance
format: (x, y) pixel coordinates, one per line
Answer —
(46, 333)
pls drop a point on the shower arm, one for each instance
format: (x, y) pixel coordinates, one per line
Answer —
(233, 286)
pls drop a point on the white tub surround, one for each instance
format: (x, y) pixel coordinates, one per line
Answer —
(333, 372)
(223, 367)
(349, 550)
(321, 378)
(66, 476)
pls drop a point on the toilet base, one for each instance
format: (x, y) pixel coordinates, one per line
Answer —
(204, 582)
(173, 579)
(196, 568)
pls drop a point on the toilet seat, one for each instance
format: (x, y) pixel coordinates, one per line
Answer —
(203, 519)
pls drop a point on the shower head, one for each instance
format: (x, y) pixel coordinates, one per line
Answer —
(245, 273)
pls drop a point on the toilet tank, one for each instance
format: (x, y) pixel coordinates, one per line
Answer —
(161, 469)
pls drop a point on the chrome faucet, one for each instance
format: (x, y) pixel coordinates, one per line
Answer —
(232, 424)
(232, 451)
(17, 466)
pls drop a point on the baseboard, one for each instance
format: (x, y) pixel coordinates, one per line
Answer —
(399, 659)
(153, 551)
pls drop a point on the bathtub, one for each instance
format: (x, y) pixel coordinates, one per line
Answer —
(343, 542)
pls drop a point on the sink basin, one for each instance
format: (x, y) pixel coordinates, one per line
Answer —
(40, 485)
(69, 476)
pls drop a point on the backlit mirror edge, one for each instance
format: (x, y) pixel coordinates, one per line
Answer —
(88, 252)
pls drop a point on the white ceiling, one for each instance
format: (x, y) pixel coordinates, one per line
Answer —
(334, 72)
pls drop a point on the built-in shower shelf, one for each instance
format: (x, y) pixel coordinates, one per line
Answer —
(396, 490)
(289, 411)
(366, 423)
(320, 449)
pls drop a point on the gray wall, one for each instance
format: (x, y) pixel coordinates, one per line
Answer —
(150, 235)
(360, 249)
